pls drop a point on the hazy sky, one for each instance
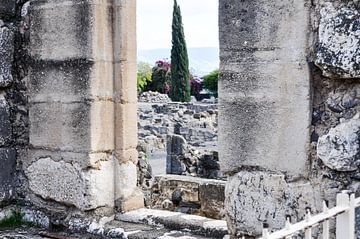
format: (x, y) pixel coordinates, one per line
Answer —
(200, 19)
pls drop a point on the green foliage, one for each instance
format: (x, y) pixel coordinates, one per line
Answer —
(143, 76)
(210, 82)
(15, 220)
(180, 75)
(160, 77)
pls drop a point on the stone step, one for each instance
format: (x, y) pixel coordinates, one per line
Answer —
(193, 195)
(177, 221)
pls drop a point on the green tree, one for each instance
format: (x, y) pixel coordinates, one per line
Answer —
(210, 82)
(180, 75)
(143, 75)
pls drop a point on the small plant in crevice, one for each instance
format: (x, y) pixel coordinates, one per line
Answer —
(15, 220)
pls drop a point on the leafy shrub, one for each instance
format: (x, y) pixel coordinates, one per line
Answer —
(195, 85)
(210, 82)
(160, 77)
(143, 76)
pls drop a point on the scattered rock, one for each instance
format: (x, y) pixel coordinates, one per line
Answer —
(338, 52)
(340, 149)
(154, 97)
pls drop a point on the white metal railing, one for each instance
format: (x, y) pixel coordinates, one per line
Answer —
(344, 212)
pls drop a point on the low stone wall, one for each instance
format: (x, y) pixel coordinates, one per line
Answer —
(184, 159)
(196, 122)
(192, 195)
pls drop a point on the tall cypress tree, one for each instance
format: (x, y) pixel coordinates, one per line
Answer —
(180, 75)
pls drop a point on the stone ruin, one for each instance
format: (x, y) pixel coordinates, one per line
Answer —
(288, 109)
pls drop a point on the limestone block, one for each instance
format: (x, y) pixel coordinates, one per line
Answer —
(340, 149)
(70, 81)
(102, 126)
(263, 25)
(6, 54)
(264, 86)
(83, 160)
(100, 185)
(125, 81)
(7, 8)
(126, 179)
(338, 51)
(77, 127)
(7, 175)
(126, 126)
(212, 198)
(5, 124)
(127, 155)
(66, 30)
(67, 184)
(58, 181)
(60, 126)
(124, 16)
(253, 198)
(135, 201)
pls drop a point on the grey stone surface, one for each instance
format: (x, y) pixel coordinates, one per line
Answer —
(7, 175)
(7, 8)
(338, 51)
(68, 185)
(184, 159)
(6, 55)
(254, 198)
(177, 221)
(196, 122)
(60, 126)
(57, 181)
(191, 195)
(5, 124)
(264, 85)
(340, 149)
(61, 31)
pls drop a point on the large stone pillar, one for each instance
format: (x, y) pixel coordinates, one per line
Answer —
(264, 111)
(79, 73)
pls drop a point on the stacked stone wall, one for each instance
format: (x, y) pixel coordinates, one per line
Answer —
(68, 106)
(13, 100)
(289, 93)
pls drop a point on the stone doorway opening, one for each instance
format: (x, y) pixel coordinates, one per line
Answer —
(178, 141)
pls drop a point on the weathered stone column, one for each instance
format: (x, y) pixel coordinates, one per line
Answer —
(78, 82)
(264, 111)
(127, 195)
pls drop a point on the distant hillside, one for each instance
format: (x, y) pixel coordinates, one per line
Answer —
(202, 60)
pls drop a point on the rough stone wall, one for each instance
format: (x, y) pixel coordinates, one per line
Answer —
(196, 122)
(281, 63)
(68, 106)
(13, 101)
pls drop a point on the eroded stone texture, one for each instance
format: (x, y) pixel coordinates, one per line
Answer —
(5, 124)
(57, 181)
(340, 149)
(189, 195)
(264, 86)
(69, 185)
(338, 52)
(254, 198)
(7, 169)
(264, 111)
(7, 8)
(6, 55)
